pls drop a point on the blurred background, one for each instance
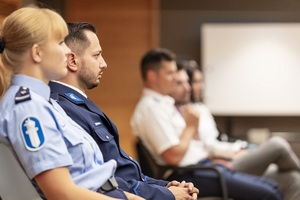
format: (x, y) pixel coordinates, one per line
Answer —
(129, 28)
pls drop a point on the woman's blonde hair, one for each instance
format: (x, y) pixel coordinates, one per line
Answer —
(20, 31)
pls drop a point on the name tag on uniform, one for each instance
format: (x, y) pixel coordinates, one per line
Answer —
(97, 123)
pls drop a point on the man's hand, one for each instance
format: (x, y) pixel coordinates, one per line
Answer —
(190, 115)
(188, 186)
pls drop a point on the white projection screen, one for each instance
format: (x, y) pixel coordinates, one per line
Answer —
(251, 69)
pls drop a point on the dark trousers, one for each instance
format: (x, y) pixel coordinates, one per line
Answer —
(240, 186)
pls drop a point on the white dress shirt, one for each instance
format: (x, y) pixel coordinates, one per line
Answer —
(159, 124)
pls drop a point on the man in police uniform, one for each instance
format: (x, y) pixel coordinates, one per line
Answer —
(85, 68)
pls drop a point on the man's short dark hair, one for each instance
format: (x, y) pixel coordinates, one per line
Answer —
(152, 59)
(76, 40)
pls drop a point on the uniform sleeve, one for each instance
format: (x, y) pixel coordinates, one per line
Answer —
(36, 138)
(146, 189)
(150, 180)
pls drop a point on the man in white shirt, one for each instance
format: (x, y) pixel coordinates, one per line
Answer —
(172, 137)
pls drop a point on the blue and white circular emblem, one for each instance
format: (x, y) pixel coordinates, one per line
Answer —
(32, 133)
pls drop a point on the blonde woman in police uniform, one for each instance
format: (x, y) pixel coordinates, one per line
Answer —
(58, 155)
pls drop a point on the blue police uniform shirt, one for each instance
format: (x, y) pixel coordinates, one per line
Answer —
(44, 137)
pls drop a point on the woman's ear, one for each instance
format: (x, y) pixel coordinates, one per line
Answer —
(36, 53)
(72, 62)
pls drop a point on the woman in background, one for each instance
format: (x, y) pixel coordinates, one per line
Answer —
(273, 159)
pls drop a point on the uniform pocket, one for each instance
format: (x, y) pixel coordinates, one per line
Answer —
(103, 134)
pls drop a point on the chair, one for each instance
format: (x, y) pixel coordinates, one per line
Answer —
(155, 170)
(14, 183)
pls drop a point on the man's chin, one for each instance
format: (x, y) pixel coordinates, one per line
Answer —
(96, 84)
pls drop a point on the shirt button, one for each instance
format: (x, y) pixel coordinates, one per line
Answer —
(130, 157)
(107, 137)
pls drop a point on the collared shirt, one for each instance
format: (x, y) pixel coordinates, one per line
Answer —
(72, 87)
(44, 137)
(207, 125)
(208, 134)
(159, 124)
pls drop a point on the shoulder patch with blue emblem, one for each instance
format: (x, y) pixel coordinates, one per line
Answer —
(22, 95)
(74, 98)
(32, 133)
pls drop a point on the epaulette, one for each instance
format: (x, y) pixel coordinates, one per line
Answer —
(22, 95)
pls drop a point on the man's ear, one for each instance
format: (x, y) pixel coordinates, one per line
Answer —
(72, 62)
(151, 75)
(36, 53)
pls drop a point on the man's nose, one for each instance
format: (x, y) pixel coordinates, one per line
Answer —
(103, 64)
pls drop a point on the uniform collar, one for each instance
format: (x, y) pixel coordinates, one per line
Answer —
(33, 84)
(72, 87)
(157, 96)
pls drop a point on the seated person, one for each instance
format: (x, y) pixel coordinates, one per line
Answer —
(85, 68)
(276, 150)
(55, 152)
(171, 135)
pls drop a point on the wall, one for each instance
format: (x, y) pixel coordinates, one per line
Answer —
(185, 17)
(181, 20)
(7, 7)
(126, 29)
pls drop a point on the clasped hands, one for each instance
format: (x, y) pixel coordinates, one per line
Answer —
(187, 190)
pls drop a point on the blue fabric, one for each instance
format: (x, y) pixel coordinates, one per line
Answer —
(240, 186)
(117, 193)
(105, 133)
(44, 137)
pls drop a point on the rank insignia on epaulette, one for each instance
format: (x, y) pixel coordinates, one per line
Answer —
(22, 95)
